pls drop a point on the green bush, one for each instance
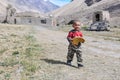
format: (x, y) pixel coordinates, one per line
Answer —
(84, 27)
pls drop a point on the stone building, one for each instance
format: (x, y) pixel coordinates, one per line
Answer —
(100, 21)
(33, 18)
(100, 16)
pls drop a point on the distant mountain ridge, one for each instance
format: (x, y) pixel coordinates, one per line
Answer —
(28, 5)
(38, 5)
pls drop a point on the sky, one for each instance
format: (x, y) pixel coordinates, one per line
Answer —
(60, 2)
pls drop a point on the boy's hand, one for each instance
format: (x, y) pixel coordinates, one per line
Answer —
(70, 40)
(78, 37)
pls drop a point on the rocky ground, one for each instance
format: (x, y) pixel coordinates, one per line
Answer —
(101, 58)
(100, 53)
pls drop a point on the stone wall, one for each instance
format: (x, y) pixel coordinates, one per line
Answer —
(34, 21)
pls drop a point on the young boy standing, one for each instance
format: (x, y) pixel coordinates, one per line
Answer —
(74, 48)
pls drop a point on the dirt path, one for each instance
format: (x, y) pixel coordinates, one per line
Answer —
(101, 58)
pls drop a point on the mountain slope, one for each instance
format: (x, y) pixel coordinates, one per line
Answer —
(79, 6)
(70, 8)
(28, 5)
(38, 5)
(3, 4)
(79, 10)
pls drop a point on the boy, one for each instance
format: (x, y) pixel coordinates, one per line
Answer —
(74, 48)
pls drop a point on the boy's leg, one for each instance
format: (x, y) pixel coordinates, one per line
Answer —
(79, 58)
(70, 56)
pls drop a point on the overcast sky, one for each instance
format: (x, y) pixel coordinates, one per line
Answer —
(60, 2)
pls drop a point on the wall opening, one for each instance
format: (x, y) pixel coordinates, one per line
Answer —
(44, 21)
(30, 21)
(97, 17)
(15, 21)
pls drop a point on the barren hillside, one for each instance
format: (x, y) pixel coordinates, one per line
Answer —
(3, 3)
(78, 6)
(80, 10)
(28, 5)
(70, 8)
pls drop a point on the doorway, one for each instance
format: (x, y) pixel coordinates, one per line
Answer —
(15, 21)
(97, 17)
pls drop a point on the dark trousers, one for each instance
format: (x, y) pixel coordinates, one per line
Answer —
(71, 51)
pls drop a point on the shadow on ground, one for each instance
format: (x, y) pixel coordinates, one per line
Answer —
(51, 61)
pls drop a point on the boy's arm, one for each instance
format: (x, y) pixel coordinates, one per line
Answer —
(69, 40)
(69, 37)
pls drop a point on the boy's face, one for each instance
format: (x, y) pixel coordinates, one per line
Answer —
(76, 25)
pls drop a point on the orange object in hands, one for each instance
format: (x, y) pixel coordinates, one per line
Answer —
(78, 40)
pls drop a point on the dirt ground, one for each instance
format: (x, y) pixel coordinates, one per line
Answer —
(101, 58)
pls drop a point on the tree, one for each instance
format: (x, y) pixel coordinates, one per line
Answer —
(10, 11)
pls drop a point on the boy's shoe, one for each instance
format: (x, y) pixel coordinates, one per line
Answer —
(80, 65)
(69, 62)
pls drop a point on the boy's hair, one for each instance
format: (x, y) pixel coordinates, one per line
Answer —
(74, 21)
